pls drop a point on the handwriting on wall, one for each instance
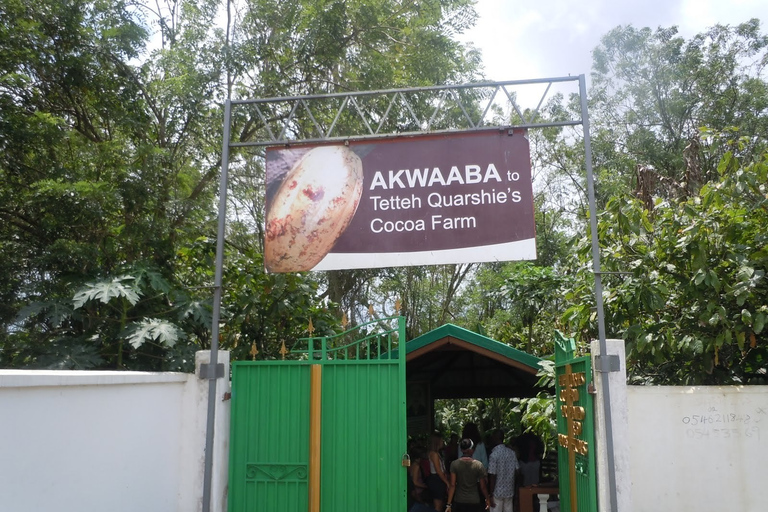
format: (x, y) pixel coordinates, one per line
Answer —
(714, 424)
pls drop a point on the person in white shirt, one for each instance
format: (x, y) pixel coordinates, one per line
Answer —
(502, 469)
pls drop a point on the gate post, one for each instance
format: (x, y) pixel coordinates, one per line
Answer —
(575, 428)
(619, 427)
(219, 457)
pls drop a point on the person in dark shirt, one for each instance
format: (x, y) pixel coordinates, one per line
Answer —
(466, 473)
(451, 450)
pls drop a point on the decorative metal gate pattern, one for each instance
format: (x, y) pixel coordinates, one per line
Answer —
(358, 415)
(575, 428)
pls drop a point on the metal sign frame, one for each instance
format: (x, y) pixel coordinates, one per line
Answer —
(281, 112)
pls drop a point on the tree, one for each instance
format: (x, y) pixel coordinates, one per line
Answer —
(652, 91)
(105, 169)
(264, 311)
(663, 110)
(692, 302)
(428, 294)
(298, 48)
(110, 140)
(295, 47)
(533, 294)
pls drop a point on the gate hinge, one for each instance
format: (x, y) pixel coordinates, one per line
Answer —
(208, 372)
(606, 364)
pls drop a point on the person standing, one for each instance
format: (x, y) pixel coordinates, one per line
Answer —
(418, 492)
(531, 451)
(502, 468)
(437, 480)
(471, 431)
(466, 473)
(451, 450)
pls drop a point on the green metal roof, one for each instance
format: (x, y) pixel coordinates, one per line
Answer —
(454, 331)
(458, 363)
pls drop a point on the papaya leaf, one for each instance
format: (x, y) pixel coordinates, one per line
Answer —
(53, 312)
(153, 329)
(105, 291)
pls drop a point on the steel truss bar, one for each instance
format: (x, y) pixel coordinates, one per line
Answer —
(387, 113)
(472, 85)
(401, 134)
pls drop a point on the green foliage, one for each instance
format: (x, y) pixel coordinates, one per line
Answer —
(514, 415)
(532, 292)
(105, 291)
(682, 219)
(110, 151)
(100, 316)
(101, 184)
(693, 303)
(428, 294)
(301, 47)
(651, 95)
(538, 415)
(515, 303)
(451, 415)
(264, 310)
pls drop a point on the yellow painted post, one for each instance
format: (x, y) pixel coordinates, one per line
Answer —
(316, 381)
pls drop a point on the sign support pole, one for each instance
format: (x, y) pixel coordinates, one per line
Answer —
(598, 293)
(209, 430)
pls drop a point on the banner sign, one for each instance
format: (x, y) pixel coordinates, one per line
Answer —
(457, 198)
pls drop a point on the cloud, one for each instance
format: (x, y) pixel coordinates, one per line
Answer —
(551, 38)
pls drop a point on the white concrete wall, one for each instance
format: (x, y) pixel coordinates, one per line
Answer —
(107, 441)
(698, 449)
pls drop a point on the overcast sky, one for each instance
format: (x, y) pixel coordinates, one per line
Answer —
(553, 38)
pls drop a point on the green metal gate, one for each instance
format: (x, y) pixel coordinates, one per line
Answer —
(575, 428)
(343, 393)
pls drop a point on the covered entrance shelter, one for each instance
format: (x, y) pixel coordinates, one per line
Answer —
(452, 362)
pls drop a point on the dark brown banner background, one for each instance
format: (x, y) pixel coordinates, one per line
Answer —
(496, 222)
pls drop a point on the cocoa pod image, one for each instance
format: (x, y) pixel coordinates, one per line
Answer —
(313, 206)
